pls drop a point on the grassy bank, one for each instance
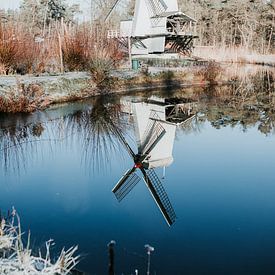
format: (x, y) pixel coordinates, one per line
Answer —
(27, 94)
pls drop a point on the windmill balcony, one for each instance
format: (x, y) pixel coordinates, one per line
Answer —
(113, 34)
(183, 29)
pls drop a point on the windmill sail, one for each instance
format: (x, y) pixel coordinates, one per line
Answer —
(158, 142)
(156, 7)
(126, 184)
(124, 142)
(113, 5)
(152, 135)
(158, 192)
(155, 138)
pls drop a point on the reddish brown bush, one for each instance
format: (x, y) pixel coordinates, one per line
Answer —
(25, 100)
(76, 51)
(210, 72)
(8, 49)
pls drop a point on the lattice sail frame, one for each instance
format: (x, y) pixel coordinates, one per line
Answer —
(154, 132)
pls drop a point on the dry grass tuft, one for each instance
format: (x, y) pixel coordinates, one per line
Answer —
(100, 70)
(18, 260)
(76, 51)
(25, 99)
(8, 49)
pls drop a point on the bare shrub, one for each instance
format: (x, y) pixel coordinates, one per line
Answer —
(18, 51)
(28, 53)
(76, 51)
(210, 72)
(105, 56)
(8, 49)
(25, 99)
(167, 77)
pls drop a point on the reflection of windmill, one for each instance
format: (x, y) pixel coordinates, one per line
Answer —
(152, 136)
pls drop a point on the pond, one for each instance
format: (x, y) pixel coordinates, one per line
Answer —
(212, 150)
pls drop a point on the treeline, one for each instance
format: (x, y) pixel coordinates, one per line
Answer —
(245, 23)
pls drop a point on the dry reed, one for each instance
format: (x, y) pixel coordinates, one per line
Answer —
(18, 260)
(234, 55)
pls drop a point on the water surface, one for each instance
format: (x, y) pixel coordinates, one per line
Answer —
(59, 166)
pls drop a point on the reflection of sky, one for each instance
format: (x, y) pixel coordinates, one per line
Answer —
(221, 185)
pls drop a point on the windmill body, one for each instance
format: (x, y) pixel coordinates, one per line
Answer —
(155, 24)
(161, 154)
(155, 137)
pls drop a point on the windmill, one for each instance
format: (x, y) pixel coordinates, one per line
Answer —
(157, 27)
(153, 134)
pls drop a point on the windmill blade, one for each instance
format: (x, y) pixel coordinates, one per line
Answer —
(126, 184)
(154, 132)
(159, 194)
(124, 142)
(156, 7)
(111, 8)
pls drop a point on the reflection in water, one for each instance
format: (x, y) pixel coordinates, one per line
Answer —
(215, 220)
(96, 128)
(246, 103)
(17, 142)
(151, 130)
(92, 124)
(155, 134)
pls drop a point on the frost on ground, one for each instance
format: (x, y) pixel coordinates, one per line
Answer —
(15, 259)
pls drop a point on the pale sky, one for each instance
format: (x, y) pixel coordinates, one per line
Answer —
(85, 5)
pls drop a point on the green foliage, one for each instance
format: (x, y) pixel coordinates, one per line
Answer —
(56, 10)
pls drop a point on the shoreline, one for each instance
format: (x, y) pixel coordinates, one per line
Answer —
(47, 90)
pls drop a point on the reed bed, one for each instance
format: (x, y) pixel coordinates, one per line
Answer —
(234, 55)
(62, 47)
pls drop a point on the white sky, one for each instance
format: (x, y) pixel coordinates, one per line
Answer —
(85, 5)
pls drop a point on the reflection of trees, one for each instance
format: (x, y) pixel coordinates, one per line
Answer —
(17, 142)
(192, 125)
(96, 129)
(251, 102)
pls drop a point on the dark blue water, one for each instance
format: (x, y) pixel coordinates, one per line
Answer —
(221, 184)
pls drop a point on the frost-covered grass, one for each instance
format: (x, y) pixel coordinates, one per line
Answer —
(17, 259)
